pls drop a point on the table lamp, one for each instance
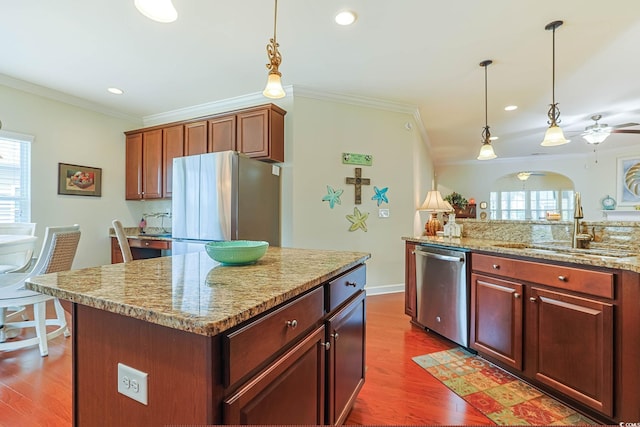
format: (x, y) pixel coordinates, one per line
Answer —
(434, 203)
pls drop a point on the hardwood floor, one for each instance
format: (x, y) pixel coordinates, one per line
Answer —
(36, 391)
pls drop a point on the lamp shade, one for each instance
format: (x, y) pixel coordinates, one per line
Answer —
(554, 136)
(435, 203)
(157, 10)
(274, 88)
(596, 137)
(486, 152)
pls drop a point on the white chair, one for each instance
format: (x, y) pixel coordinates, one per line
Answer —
(122, 241)
(57, 254)
(17, 255)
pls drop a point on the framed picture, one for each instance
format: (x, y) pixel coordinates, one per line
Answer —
(79, 180)
(628, 184)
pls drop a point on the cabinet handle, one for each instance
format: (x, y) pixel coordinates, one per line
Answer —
(563, 278)
(533, 299)
(146, 243)
(354, 284)
(292, 324)
(496, 267)
(413, 252)
(516, 295)
(335, 336)
(326, 345)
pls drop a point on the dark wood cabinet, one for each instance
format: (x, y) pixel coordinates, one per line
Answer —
(496, 319)
(290, 391)
(572, 346)
(222, 134)
(410, 294)
(346, 359)
(144, 165)
(195, 138)
(140, 249)
(260, 131)
(172, 147)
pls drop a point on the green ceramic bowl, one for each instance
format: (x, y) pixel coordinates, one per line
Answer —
(236, 252)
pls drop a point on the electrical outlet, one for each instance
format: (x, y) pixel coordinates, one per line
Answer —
(132, 383)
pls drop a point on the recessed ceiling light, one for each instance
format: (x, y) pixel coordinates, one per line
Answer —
(345, 17)
(493, 138)
(510, 107)
(115, 91)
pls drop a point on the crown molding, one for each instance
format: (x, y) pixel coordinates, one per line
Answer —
(55, 95)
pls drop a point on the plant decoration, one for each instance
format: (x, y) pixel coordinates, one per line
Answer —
(456, 200)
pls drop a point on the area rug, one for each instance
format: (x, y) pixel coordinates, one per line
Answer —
(499, 395)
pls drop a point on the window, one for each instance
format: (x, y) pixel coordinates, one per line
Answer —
(15, 173)
(531, 204)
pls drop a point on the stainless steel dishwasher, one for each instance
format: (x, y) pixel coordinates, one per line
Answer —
(442, 281)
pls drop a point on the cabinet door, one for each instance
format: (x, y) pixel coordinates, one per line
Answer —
(289, 391)
(496, 319)
(195, 138)
(410, 280)
(346, 361)
(133, 168)
(172, 146)
(253, 133)
(152, 164)
(222, 134)
(572, 346)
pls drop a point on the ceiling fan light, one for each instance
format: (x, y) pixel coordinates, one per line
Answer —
(157, 10)
(274, 89)
(554, 136)
(596, 137)
(486, 152)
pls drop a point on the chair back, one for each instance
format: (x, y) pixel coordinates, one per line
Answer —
(58, 250)
(122, 241)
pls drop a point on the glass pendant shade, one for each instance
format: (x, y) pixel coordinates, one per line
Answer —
(274, 87)
(486, 152)
(157, 10)
(554, 136)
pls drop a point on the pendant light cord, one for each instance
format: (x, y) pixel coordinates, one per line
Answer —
(553, 67)
(486, 120)
(275, 20)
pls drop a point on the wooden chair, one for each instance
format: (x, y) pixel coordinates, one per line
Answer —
(122, 241)
(57, 254)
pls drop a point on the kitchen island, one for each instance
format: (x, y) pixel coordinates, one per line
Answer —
(255, 344)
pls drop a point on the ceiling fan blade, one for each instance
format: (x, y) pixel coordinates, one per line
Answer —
(625, 131)
(625, 125)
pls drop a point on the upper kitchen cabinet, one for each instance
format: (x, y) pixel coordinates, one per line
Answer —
(144, 165)
(195, 138)
(261, 133)
(222, 133)
(172, 147)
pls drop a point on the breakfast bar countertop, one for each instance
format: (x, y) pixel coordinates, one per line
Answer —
(543, 251)
(194, 293)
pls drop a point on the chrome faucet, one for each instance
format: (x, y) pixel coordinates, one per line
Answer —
(577, 216)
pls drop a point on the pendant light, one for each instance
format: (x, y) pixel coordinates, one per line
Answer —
(486, 151)
(157, 10)
(554, 135)
(274, 88)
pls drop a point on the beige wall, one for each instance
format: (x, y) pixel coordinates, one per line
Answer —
(69, 134)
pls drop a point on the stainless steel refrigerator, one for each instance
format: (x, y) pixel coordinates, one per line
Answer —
(224, 196)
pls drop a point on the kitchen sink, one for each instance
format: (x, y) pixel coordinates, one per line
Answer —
(512, 245)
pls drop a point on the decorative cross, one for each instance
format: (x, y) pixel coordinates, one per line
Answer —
(358, 181)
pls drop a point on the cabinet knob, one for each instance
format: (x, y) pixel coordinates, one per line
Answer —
(354, 284)
(496, 266)
(146, 243)
(516, 295)
(326, 345)
(533, 299)
(292, 324)
(335, 336)
(563, 278)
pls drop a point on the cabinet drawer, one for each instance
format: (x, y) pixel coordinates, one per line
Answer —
(596, 283)
(252, 345)
(341, 289)
(148, 243)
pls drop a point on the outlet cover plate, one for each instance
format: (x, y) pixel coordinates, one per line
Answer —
(132, 383)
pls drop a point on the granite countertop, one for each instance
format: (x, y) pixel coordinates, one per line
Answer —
(194, 293)
(577, 256)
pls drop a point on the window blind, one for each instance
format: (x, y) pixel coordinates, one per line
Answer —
(15, 178)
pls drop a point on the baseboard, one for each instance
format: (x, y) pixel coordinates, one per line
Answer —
(384, 289)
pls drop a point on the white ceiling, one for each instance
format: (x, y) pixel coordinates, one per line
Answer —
(423, 53)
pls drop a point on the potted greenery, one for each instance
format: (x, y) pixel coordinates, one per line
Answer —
(456, 200)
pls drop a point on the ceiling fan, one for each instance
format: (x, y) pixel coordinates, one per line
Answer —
(598, 132)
